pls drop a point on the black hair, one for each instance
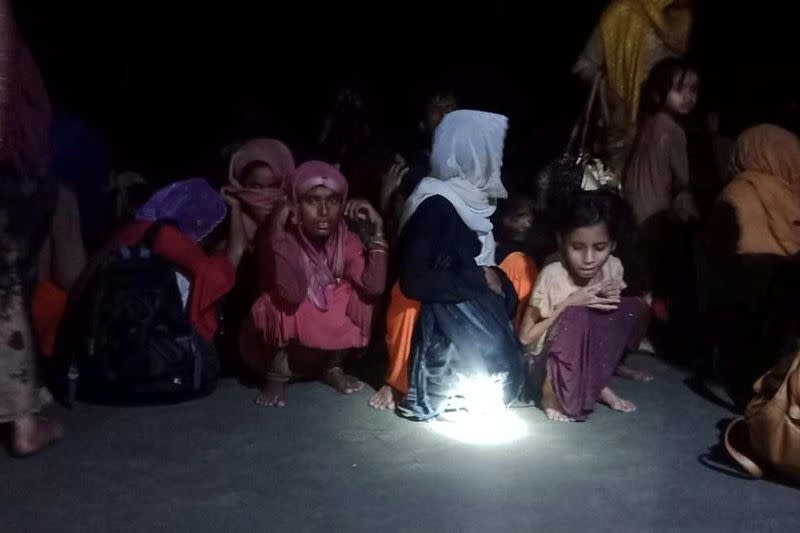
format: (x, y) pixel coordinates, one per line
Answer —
(659, 83)
(514, 204)
(589, 208)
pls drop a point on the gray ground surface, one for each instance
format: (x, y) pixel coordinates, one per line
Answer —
(329, 463)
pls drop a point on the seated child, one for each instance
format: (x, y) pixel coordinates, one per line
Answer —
(318, 283)
(577, 318)
(513, 222)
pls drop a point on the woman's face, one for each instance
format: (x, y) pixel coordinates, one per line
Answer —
(261, 177)
(683, 96)
(320, 211)
(586, 250)
(518, 224)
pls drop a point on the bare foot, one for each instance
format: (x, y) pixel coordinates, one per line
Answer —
(33, 433)
(550, 404)
(556, 416)
(624, 371)
(646, 346)
(383, 400)
(609, 397)
(344, 383)
(273, 394)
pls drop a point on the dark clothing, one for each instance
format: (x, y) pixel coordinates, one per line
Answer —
(464, 329)
(438, 253)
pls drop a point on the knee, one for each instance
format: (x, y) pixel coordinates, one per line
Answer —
(576, 317)
(635, 306)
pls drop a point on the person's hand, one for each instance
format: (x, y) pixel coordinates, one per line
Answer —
(361, 210)
(591, 297)
(280, 217)
(229, 195)
(611, 288)
(493, 281)
(394, 176)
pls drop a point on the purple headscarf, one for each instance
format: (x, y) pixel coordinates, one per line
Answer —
(192, 204)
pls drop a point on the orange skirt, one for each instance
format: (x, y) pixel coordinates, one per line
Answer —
(403, 312)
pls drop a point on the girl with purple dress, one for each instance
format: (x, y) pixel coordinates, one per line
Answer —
(577, 320)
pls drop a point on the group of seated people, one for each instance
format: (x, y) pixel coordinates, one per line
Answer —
(439, 277)
(308, 266)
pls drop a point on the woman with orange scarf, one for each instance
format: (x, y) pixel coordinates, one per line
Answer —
(765, 195)
(632, 36)
(753, 246)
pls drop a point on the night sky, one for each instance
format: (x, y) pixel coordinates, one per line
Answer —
(166, 80)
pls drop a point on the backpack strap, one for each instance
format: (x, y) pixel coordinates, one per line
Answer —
(745, 462)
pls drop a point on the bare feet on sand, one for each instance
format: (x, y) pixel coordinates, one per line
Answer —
(33, 433)
(273, 394)
(383, 400)
(342, 382)
(624, 371)
(609, 397)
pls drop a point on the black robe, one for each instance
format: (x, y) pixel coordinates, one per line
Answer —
(464, 329)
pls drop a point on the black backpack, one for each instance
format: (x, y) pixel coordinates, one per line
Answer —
(138, 344)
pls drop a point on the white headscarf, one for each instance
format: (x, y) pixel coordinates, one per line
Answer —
(465, 162)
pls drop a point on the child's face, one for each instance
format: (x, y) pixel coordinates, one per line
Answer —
(261, 177)
(586, 250)
(683, 96)
(518, 224)
(320, 210)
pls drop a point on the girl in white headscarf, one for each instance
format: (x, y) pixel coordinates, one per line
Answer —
(451, 299)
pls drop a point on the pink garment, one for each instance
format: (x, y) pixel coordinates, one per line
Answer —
(347, 319)
(318, 295)
(258, 204)
(25, 112)
(321, 267)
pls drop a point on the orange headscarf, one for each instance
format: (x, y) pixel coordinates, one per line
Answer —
(625, 26)
(766, 192)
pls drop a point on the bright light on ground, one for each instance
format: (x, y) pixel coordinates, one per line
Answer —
(480, 416)
(482, 429)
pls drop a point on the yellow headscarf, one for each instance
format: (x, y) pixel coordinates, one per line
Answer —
(625, 27)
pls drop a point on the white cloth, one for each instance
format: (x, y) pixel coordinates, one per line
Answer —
(466, 160)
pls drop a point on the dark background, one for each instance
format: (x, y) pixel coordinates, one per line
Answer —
(166, 81)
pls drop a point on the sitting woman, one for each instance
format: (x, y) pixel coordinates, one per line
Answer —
(318, 286)
(753, 237)
(196, 210)
(577, 318)
(257, 178)
(450, 315)
(513, 219)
